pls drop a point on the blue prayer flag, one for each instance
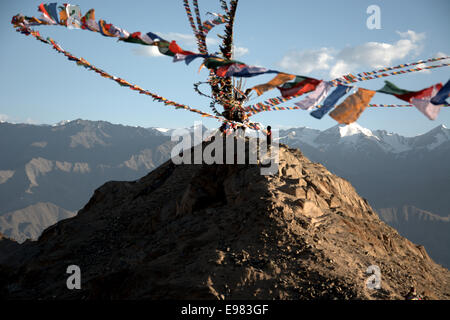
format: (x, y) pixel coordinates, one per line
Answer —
(330, 101)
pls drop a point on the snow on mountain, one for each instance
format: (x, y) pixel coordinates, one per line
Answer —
(354, 129)
(392, 142)
(169, 131)
(356, 136)
(61, 123)
(305, 135)
(162, 130)
(350, 135)
(353, 134)
(441, 135)
(440, 139)
(433, 138)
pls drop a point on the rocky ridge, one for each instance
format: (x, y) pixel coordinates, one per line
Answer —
(224, 232)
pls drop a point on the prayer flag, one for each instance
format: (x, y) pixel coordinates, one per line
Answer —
(425, 105)
(390, 88)
(442, 95)
(352, 107)
(315, 97)
(330, 101)
(299, 86)
(275, 82)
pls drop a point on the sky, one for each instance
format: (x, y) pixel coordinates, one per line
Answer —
(320, 39)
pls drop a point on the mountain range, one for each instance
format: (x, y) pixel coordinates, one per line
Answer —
(223, 232)
(48, 172)
(60, 166)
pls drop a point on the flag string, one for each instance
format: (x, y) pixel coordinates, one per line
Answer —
(124, 83)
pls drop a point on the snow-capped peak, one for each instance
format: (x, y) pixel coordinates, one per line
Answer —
(61, 123)
(353, 129)
(439, 135)
(163, 130)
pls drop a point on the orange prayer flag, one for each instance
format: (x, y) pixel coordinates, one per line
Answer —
(63, 17)
(275, 82)
(352, 107)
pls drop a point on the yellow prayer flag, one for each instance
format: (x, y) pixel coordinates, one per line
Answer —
(275, 82)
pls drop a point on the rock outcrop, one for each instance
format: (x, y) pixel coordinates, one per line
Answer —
(224, 232)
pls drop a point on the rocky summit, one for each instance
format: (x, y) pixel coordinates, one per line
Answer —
(223, 232)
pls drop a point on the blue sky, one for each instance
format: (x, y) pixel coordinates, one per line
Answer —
(313, 38)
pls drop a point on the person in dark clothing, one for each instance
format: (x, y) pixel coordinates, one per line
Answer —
(269, 136)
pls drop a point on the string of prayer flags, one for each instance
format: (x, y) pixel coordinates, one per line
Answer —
(124, 83)
(428, 100)
(198, 35)
(353, 79)
(254, 111)
(268, 103)
(400, 66)
(70, 16)
(52, 14)
(209, 24)
(352, 107)
(201, 35)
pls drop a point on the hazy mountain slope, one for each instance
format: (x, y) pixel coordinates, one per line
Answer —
(63, 164)
(422, 227)
(28, 223)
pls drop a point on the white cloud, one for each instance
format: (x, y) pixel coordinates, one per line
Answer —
(148, 51)
(415, 37)
(350, 59)
(379, 54)
(307, 61)
(240, 51)
(441, 55)
(6, 118)
(3, 117)
(341, 67)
